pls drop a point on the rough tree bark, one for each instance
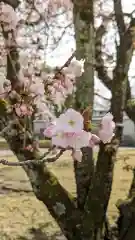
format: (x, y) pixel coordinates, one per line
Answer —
(118, 85)
(75, 225)
(93, 183)
(128, 48)
(84, 36)
(45, 185)
(93, 193)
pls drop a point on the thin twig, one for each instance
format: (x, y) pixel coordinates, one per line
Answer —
(28, 162)
(66, 63)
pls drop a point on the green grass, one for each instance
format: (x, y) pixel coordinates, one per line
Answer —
(20, 210)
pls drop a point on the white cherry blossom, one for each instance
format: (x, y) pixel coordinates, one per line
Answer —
(77, 155)
(70, 121)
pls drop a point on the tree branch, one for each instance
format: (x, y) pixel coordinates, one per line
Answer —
(35, 161)
(13, 3)
(120, 73)
(45, 185)
(128, 51)
(119, 16)
(13, 64)
(100, 68)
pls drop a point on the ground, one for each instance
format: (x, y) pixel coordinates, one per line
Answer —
(20, 211)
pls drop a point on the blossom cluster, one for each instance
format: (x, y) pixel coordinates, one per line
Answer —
(39, 94)
(67, 132)
(40, 97)
(7, 17)
(63, 84)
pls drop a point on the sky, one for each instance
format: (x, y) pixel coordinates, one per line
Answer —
(63, 52)
(67, 45)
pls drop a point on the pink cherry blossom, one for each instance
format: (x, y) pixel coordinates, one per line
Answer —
(71, 140)
(94, 140)
(107, 122)
(37, 88)
(68, 131)
(23, 110)
(30, 111)
(8, 17)
(29, 148)
(77, 155)
(68, 84)
(106, 137)
(60, 140)
(57, 85)
(70, 121)
(7, 86)
(79, 140)
(106, 132)
(75, 68)
(50, 131)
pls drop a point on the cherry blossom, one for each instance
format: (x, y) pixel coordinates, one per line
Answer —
(106, 132)
(79, 140)
(106, 137)
(67, 132)
(7, 86)
(94, 140)
(77, 155)
(41, 91)
(37, 88)
(60, 140)
(23, 110)
(7, 17)
(29, 148)
(68, 140)
(69, 86)
(75, 68)
(107, 122)
(57, 95)
(70, 121)
(50, 131)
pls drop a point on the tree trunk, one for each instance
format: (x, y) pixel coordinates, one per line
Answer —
(99, 192)
(45, 185)
(84, 36)
(126, 221)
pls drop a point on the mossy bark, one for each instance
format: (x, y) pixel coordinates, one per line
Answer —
(99, 192)
(45, 185)
(84, 36)
(93, 184)
(126, 221)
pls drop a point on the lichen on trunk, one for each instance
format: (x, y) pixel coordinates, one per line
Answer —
(84, 36)
(100, 191)
(46, 186)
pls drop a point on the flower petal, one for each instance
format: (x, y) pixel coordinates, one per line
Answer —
(77, 155)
